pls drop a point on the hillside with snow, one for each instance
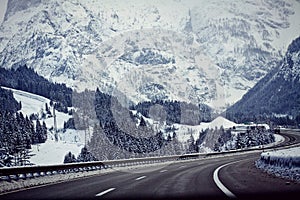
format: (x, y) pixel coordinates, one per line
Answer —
(50, 152)
(196, 51)
(276, 94)
(73, 141)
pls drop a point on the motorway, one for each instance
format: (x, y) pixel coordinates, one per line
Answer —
(193, 179)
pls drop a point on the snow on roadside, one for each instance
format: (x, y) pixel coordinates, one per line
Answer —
(278, 139)
(7, 186)
(283, 163)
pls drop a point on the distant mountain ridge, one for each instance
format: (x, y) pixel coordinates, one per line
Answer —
(277, 93)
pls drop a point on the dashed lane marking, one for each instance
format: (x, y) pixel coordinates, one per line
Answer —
(140, 178)
(105, 192)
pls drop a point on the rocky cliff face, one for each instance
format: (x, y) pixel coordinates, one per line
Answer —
(208, 52)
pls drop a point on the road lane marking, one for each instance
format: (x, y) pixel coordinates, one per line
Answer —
(105, 192)
(220, 185)
(140, 178)
(182, 166)
(162, 171)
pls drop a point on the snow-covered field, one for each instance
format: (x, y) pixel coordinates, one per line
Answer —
(284, 163)
(50, 152)
(35, 104)
(31, 103)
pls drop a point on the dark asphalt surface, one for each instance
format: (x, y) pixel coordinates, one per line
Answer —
(179, 180)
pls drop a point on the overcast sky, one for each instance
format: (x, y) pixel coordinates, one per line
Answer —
(2, 9)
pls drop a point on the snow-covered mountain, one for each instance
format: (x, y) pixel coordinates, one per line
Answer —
(201, 51)
(277, 93)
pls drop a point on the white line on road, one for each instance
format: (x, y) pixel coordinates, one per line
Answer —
(220, 184)
(162, 171)
(182, 166)
(140, 178)
(105, 192)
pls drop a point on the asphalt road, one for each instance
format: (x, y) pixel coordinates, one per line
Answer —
(179, 180)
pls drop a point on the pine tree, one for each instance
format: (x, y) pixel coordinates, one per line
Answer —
(169, 138)
(174, 135)
(69, 158)
(38, 132)
(191, 144)
(142, 122)
(44, 132)
(85, 156)
(15, 138)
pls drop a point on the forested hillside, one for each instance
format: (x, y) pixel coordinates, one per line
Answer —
(276, 97)
(26, 79)
(177, 112)
(17, 132)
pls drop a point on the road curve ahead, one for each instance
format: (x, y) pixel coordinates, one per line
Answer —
(179, 180)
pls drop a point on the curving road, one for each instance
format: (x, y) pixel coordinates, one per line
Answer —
(179, 180)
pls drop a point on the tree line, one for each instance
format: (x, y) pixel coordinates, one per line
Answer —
(176, 111)
(26, 79)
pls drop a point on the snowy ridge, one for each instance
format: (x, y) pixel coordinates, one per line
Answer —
(225, 49)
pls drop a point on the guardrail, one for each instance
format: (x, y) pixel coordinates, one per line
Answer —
(36, 171)
(23, 172)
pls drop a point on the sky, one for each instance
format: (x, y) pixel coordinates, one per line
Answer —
(3, 4)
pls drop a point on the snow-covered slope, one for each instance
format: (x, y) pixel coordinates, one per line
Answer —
(55, 152)
(31, 103)
(277, 93)
(200, 51)
(50, 152)
(35, 104)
